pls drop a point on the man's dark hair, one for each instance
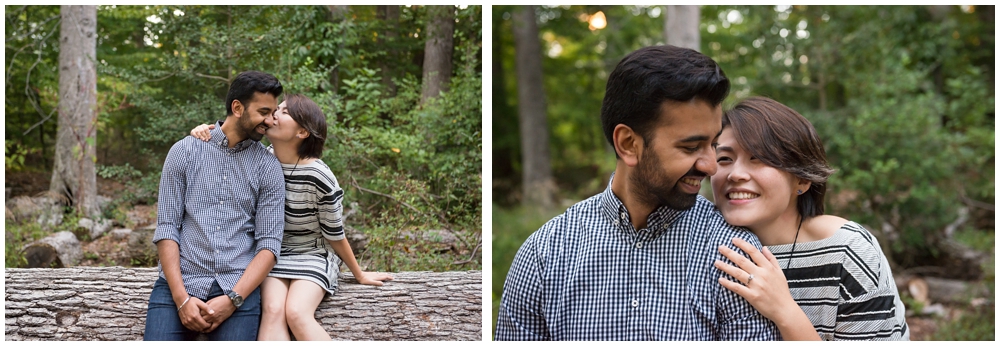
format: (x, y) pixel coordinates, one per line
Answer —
(647, 77)
(309, 116)
(247, 83)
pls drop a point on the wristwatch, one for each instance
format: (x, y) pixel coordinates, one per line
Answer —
(235, 298)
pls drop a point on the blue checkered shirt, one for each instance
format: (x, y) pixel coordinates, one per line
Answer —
(222, 206)
(588, 274)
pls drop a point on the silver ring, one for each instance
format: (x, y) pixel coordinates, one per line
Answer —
(750, 278)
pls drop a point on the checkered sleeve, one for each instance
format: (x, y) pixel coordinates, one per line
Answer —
(521, 316)
(738, 320)
(270, 216)
(170, 202)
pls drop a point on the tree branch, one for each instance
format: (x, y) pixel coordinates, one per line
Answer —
(355, 184)
(974, 203)
(161, 78)
(478, 245)
(223, 79)
(33, 31)
(31, 97)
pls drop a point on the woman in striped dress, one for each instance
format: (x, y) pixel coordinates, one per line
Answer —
(313, 246)
(819, 277)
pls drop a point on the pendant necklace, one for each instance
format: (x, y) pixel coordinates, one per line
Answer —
(796, 240)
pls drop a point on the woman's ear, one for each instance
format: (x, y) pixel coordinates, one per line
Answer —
(302, 133)
(802, 186)
(627, 144)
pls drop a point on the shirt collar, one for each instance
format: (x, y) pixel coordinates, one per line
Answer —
(220, 139)
(613, 208)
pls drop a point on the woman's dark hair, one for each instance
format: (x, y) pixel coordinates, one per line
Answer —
(247, 83)
(782, 138)
(647, 77)
(309, 116)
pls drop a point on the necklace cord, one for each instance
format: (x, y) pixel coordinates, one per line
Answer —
(796, 240)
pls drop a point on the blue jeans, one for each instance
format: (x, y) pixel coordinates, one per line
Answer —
(163, 322)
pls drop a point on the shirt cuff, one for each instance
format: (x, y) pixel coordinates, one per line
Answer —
(274, 245)
(162, 233)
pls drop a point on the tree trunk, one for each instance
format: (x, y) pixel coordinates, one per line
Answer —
(681, 26)
(73, 172)
(437, 51)
(338, 13)
(389, 14)
(109, 303)
(537, 183)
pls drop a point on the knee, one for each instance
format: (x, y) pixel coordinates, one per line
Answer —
(296, 316)
(273, 309)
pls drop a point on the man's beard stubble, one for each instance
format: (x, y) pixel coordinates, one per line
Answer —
(652, 189)
(249, 129)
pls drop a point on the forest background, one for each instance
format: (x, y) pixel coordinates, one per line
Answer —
(902, 96)
(404, 138)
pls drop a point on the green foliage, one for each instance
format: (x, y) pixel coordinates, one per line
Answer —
(900, 96)
(16, 236)
(162, 70)
(977, 324)
(14, 155)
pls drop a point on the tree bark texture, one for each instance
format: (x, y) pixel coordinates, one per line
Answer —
(681, 26)
(73, 173)
(537, 183)
(390, 15)
(437, 51)
(109, 303)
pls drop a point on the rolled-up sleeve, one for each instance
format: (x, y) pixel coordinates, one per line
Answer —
(170, 202)
(270, 217)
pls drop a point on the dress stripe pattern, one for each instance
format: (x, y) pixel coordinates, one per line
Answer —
(313, 217)
(844, 285)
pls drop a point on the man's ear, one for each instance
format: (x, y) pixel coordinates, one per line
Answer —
(628, 144)
(237, 108)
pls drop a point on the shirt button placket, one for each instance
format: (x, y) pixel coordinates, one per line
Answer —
(635, 303)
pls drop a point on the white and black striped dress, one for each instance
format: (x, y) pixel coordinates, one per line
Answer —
(844, 285)
(313, 215)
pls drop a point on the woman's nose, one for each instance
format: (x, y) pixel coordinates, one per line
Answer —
(738, 172)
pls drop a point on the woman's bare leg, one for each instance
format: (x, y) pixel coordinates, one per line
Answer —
(300, 310)
(272, 319)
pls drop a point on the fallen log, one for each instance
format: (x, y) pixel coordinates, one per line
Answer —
(928, 290)
(109, 303)
(58, 250)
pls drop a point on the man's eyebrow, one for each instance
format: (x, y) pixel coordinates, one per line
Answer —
(697, 138)
(266, 109)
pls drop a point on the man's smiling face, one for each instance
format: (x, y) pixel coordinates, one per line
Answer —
(679, 154)
(257, 116)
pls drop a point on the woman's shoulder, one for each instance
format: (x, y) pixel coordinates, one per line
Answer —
(823, 227)
(323, 172)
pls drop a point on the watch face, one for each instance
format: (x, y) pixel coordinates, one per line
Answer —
(237, 300)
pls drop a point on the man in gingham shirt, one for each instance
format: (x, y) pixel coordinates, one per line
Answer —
(220, 219)
(635, 262)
